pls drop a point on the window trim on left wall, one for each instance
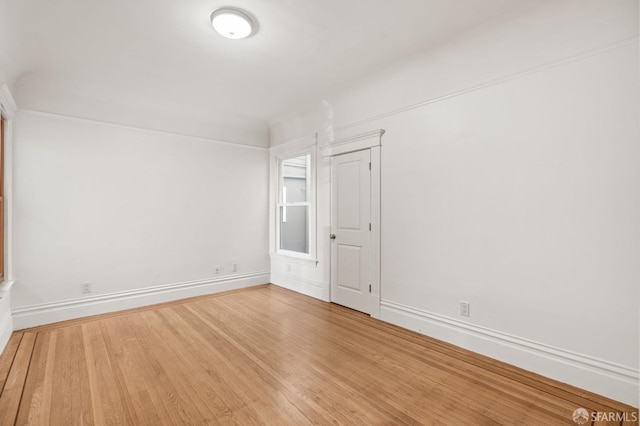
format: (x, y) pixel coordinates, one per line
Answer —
(8, 110)
(2, 201)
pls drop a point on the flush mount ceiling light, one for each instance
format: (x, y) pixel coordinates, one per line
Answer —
(232, 23)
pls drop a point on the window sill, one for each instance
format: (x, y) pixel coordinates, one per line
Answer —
(292, 258)
(5, 286)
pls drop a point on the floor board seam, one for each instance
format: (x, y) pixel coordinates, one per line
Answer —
(26, 375)
(13, 359)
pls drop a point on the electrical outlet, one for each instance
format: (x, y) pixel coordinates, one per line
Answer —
(86, 288)
(288, 267)
(217, 269)
(464, 309)
(234, 267)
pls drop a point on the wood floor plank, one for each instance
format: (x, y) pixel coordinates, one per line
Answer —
(12, 392)
(144, 381)
(107, 398)
(7, 357)
(71, 392)
(35, 406)
(268, 356)
(255, 387)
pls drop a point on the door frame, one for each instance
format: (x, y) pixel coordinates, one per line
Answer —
(371, 141)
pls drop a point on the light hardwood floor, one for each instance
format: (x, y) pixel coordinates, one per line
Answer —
(265, 355)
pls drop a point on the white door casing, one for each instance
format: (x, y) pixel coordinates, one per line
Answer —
(351, 250)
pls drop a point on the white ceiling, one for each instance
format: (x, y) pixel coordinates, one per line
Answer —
(158, 64)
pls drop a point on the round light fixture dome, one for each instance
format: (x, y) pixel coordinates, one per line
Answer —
(232, 23)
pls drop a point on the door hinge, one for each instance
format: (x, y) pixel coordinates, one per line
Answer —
(369, 288)
(369, 227)
(369, 165)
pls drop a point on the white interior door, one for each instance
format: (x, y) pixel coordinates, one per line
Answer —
(351, 248)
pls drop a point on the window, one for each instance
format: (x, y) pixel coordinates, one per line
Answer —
(294, 205)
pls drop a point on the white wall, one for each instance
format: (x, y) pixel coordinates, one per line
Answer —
(129, 210)
(6, 71)
(510, 180)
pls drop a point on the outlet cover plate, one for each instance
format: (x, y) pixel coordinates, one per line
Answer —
(465, 309)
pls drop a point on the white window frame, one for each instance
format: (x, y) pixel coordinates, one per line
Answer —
(277, 158)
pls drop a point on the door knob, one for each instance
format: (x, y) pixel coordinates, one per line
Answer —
(332, 236)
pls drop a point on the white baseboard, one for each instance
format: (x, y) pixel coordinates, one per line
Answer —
(309, 288)
(47, 313)
(6, 326)
(6, 321)
(602, 377)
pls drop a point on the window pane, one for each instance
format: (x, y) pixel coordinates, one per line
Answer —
(295, 179)
(294, 225)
